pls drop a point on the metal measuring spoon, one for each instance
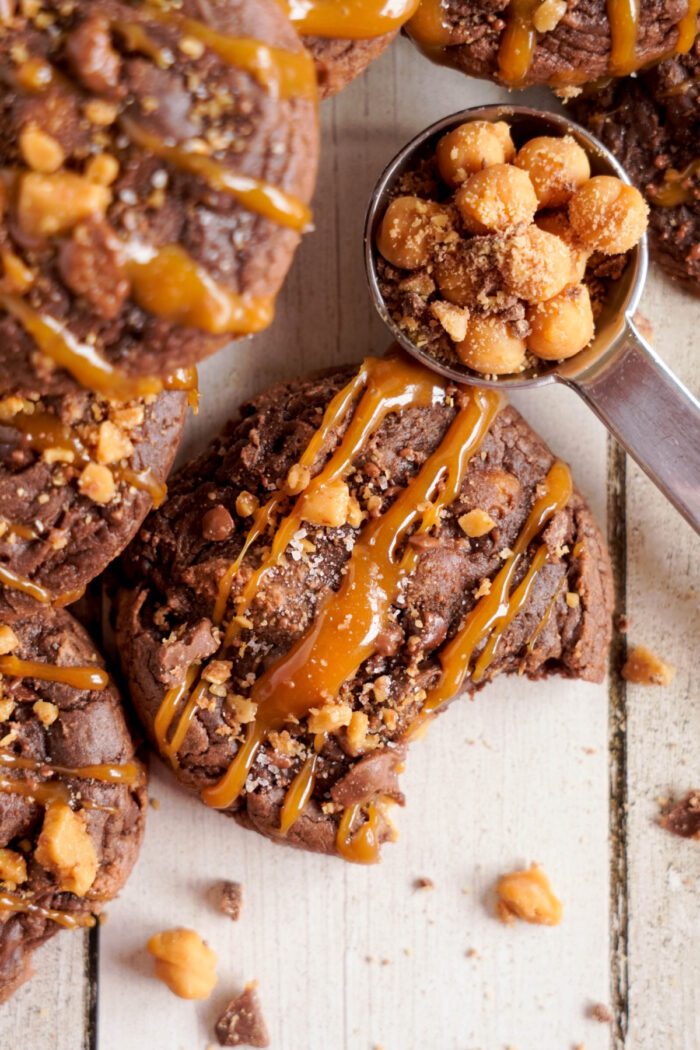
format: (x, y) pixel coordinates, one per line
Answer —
(653, 416)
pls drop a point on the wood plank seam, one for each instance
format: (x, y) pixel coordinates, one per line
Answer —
(91, 971)
(618, 744)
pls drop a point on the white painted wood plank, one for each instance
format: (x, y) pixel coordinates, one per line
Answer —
(521, 774)
(663, 727)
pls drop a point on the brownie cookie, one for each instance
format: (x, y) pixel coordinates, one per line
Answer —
(78, 474)
(72, 796)
(158, 162)
(652, 125)
(557, 42)
(345, 558)
(344, 38)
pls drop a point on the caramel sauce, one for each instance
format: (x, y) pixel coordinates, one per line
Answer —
(677, 187)
(349, 19)
(363, 846)
(43, 431)
(298, 794)
(494, 610)
(89, 678)
(428, 28)
(349, 623)
(21, 583)
(287, 74)
(128, 773)
(623, 16)
(518, 42)
(688, 28)
(167, 711)
(257, 196)
(168, 283)
(43, 793)
(16, 903)
(25, 532)
(136, 38)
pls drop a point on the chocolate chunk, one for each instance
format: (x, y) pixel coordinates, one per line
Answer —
(92, 58)
(683, 818)
(217, 524)
(242, 1022)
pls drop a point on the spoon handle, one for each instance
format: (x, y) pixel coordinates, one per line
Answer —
(653, 416)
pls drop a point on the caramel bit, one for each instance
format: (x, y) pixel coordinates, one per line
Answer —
(242, 1022)
(573, 599)
(184, 962)
(46, 712)
(40, 151)
(328, 506)
(6, 709)
(231, 899)
(8, 640)
(476, 523)
(359, 738)
(527, 895)
(97, 483)
(548, 15)
(298, 479)
(329, 718)
(66, 849)
(217, 524)
(246, 504)
(13, 868)
(644, 668)
(54, 204)
(683, 818)
(17, 277)
(102, 169)
(454, 319)
(112, 444)
(101, 113)
(218, 672)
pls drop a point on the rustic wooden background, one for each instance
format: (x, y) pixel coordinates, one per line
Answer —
(564, 773)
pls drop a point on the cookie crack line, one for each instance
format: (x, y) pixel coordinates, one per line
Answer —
(349, 623)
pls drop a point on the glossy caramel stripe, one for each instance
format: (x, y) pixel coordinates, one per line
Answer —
(43, 431)
(623, 16)
(298, 794)
(428, 27)
(363, 846)
(108, 773)
(347, 626)
(14, 902)
(254, 194)
(677, 187)
(688, 28)
(495, 610)
(289, 74)
(518, 41)
(349, 19)
(88, 678)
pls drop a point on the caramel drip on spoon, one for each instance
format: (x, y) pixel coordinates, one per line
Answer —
(88, 678)
(43, 431)
(287, 74)
(623, 16)
(518, 42)
(257, 196)
(492, 613)
(349, 623)
(349, 19)
(14, 902)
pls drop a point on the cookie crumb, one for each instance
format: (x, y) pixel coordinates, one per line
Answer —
(423, 883)
(242, 1022)
(600, 1012)
(231, 899)
(645, 668)
(683, 818)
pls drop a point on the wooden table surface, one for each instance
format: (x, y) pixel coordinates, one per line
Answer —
(565, 773)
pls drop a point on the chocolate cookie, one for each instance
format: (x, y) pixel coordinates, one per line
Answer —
(652, 124)
(72, 795)
(158, 162)
(343, 560)
(339, 61)
(557, 42)
(78, 475)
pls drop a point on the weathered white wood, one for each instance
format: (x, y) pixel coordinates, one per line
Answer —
(663, 728)
(519, 775)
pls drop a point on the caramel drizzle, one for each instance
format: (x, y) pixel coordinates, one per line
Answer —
(623, 16)
(495, 610)
(677, 187)
(88, 678)
(257, 196)
(688, 28)
(128, 773)
(349, 19)
(168, 283)
(518, 42)
(43, 431)
(16, 582)
(298, 794)
(363, 846)
(286, 74)
(428, 27)
(15, 903)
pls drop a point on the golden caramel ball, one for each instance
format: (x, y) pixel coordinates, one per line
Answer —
(471, 147)
(557, 222)
(556, 166)
(562, 326)
(536, 265)
(496, 198)
(491, 347)
(608, 215)
(409, 230)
